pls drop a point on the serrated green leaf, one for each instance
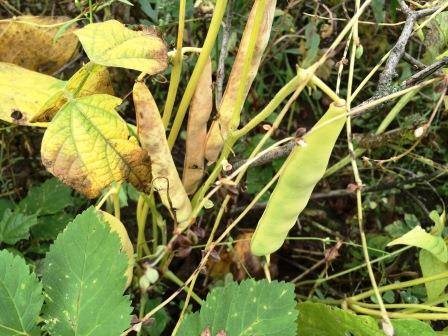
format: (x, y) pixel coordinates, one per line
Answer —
(249, 308)
(20, 296)
(418, 237)
(84, 280)
(436, 37)
(430, 265)
(110, 43)
(319, 319)
(48, 227)
(87, 146)
(15, 226)
(48, 198)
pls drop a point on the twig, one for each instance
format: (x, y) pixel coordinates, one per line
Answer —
(428, 71)
(223, 54)
(397, 52)
(276, 153)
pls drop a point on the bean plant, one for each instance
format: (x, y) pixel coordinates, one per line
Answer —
(100, 273)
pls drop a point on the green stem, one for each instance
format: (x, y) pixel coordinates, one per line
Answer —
(177, 67)
(172, 277)
(215, 24)
(142, 214)
(396, 315)
(400, 285)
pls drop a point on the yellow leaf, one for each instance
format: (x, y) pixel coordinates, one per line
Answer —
(126, 245)
(200, 109)
(26, 41)
(90, 79)
(152, 137)
(87, 146)
(110, 43)
(23, 93)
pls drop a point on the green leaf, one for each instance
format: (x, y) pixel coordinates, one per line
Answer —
(161, 319)
(47, 198)
(20, 296)
(418, 237)
(430, 265)
(249, 308)
(110, 43)
(312, 44)
(319, 319)
(409, 327)
(5, 204)
(48, 227)
(87, 146)
(378, 10)
(439, 222)
(15, 226)
(84, 280)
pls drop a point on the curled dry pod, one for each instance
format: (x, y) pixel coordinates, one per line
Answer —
(126, 246)
(219, 129)
(302, 170)
(200, 109)
(151, 133)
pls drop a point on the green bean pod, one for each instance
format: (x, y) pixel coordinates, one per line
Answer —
(302, 170)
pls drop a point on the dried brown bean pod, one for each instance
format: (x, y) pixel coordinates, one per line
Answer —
(200, 110)
(221, 126)
(152, 137)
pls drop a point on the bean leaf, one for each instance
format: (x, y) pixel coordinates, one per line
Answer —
(110, 43)
(418, 237)
(24, 92)
(34, 45)
(20, 296)
(430, 265)
(87, 146)
(84, 280)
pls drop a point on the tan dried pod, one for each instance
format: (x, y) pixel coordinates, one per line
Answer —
(200, 110)
(151, 133)
(221, 126)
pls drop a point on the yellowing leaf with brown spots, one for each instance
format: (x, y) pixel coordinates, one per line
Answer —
(87, 146)
(110, 43)
(90, 79)
(24, 92)
(28, 41)
(126, 245)
(151, 133)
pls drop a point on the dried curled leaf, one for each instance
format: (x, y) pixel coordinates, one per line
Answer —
(23, 93)
(200, 109)
(90, 79)
(110, 43)
(34, 45)
(87, 146)
(220, 127)
(126, 245)
(152, 137)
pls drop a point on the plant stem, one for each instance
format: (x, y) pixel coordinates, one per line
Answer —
(171, 276)
(177, 67)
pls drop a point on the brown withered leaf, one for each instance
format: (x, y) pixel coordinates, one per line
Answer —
(219, 129)
(29, 42)
(87, 146)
